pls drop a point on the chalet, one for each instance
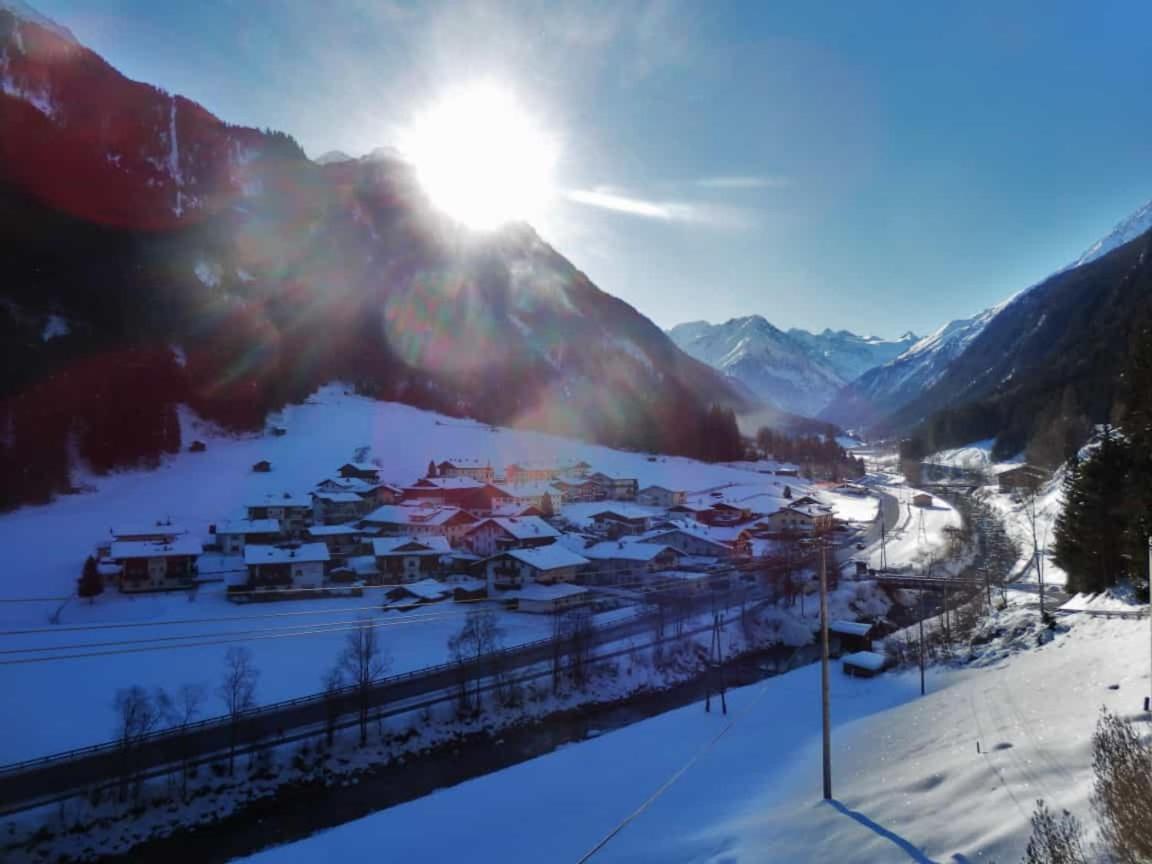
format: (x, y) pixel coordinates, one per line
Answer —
(579, 468)
(286, 565)
(466, 493)
(922, 499)
(466, 589)
(615, 488)
(1023, 477)
(850, 636)
(407, 559)
(618, 563)
(804, 501)
(692, 538)
(343, 541)
(373, 492)
(473, 468)
(851, 489)
(419, 593)
(421, 521)
(659, 496)
(621, 520)
(360, 471)
(293, 511)
(544, 495)
(338, 508)
(722, 513)
(514, 509)
(262, 467)
(787, 471)
(234, 534)
(531, 472)
(576, 489)
(498, 534)
(800, 519)
(156, 564)
(548, 599)
(544, 564)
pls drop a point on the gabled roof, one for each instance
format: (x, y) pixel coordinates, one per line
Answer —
(624, 551)
(520, 527)
(248, 526)
(447, 483)
(145, 530)
(338, 497)
(538, 592)
(384, 546)
(850, 628)
(402, 514)
(425, 589)
(332, 530)
(286, 553)
(361, 466)
(122, 550)
(624, 511)
(551, 557)
(279, 499)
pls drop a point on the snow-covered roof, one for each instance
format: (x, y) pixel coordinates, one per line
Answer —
(145, 530)
(511, 508)
(683, 575)
(869, 660)
(465, 463)
(286, 553)
(434, 545)
(361, 466)
(403, 514)
(426, 589)
(625, 511)
(536, 591)
(529, 489)
(722, 534)
(549, 557)
(248, 526)
(332, 530)
(521, 527)
(362, 565)
(122, 550)
(850, 628)
(338, 497)
(624, 551)
(446, 483)
(279, 499)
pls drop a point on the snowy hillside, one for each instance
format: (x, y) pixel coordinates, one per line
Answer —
(1124, 232)
(886, 388)
(797, 371)
(45, 548)
(908, 779)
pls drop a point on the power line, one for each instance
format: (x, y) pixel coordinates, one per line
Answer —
(671, 781)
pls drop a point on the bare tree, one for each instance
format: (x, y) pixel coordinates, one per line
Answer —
(1038, 526)
(138, 712)
(363, 662)
(481, 637)
(1122, 791)
(186, 709)
(237, 690)
(577, 630)
(332, 681)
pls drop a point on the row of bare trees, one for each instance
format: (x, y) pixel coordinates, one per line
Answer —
(141, 711)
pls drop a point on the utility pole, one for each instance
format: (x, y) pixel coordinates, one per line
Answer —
(1040, 579)
(824, 683)
(884, 537)
(921, 641)
(1150, 616)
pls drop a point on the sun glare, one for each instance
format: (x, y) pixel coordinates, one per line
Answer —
(481, 158)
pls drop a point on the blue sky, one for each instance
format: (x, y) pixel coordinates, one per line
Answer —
(874, 166)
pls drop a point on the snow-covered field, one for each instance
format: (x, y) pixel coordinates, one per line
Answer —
(976, 456)
(909, 782)
(919, 533)
(294, 643)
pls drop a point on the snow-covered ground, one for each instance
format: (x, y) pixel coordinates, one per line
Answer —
(178, 638)
(919, 533)
(908, 780)
(1017, 513)
(976, 456)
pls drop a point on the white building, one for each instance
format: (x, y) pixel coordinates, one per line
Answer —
(287, 565)
(234, 534)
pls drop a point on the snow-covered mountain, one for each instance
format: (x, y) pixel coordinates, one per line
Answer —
(849, 355)
(886, 388)
(1125, 231)
(145, 222)
(796, 370)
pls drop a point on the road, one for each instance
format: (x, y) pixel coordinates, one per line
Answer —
(38, 781)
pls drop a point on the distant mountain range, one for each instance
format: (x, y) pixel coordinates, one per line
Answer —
(796, 370)
(155, 255)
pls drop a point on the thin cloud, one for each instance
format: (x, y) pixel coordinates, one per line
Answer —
(664, 211)
(742, 182)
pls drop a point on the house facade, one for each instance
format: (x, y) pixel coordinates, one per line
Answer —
(408, 559)
(360, 471)
(627, 564)
(660, 496)
(546, 565)
(286, 565)
(499, 534)
(156, 565)
(232, 536)
(294, 512)
(615, 488)
(473, 468)
(421, 521)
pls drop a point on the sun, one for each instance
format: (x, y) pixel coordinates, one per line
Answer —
(481, 158)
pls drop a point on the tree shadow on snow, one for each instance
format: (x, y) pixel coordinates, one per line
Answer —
(906, 846)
